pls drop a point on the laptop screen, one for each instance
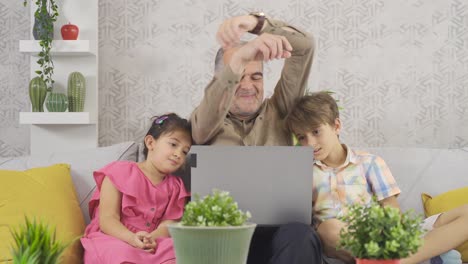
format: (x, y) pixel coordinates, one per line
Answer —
(274, 183)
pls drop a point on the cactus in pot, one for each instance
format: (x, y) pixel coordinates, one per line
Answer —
(76, 92)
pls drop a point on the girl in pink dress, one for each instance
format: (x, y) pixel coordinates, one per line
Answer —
(134, 202)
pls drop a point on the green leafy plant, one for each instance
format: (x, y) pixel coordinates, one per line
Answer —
(376, 232)
(217, 209)
(35, 243)
(46, 14)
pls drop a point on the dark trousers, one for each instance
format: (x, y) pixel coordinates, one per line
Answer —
(293, 243)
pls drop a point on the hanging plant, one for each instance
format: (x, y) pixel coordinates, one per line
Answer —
(45, 16)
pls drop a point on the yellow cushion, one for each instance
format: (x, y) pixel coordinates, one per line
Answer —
(446, 202)
(46, 194)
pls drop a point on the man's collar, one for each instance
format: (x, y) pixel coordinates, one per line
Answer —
(260, 110)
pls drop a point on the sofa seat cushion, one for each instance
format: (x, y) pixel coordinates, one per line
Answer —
(46, 194)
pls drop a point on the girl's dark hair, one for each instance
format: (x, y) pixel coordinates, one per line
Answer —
(165, 124)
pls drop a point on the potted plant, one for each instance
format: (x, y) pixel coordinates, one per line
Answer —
(35, 243)
(43, 30)
(213, 230)
(380, 234)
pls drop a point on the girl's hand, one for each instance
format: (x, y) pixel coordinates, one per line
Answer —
(143, 240)
(149, 243)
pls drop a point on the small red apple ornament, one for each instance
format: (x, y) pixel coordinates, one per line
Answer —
(69, 32)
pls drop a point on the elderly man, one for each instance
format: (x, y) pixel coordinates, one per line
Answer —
(234, 112)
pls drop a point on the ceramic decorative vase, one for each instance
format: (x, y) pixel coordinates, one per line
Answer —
(211, 245)
(37, 94)
(377, 261)
(56, 102)
(76, 92)
(39, 27)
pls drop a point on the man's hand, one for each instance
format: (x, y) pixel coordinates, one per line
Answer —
(232, 29)
(265, 47)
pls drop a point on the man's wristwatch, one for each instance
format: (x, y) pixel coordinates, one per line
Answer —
(261, 20)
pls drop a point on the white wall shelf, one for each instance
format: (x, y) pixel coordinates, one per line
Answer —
(56, 118)
(51, 131)
(60, 47)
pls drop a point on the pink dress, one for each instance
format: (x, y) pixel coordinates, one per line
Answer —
(144, 206)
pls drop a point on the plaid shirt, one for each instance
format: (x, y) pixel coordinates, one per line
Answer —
(361, 176)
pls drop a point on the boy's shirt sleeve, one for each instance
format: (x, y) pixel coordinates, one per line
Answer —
(380, 179)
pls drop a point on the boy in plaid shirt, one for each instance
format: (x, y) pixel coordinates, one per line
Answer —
(345, 176)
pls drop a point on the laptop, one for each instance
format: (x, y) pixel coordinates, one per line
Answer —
(273, 183)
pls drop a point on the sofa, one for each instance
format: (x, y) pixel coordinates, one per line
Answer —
(417, 171)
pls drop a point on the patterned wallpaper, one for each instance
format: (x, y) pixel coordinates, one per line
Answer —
(399, 68)
(14, 78)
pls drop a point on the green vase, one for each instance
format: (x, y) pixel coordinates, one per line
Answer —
(211, 245)
(76, 92)
(37, 94)
(56, 102)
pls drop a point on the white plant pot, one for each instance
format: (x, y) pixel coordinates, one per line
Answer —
(211, 245)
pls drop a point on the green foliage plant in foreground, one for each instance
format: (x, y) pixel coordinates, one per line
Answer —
(376, 232)
(216, 209)
(35, 243)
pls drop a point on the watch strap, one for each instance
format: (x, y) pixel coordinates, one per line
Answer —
(260, 22)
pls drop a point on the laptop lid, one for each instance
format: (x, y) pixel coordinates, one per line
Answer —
(274, 183)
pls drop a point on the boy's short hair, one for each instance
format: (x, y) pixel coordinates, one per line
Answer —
(311, 111)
